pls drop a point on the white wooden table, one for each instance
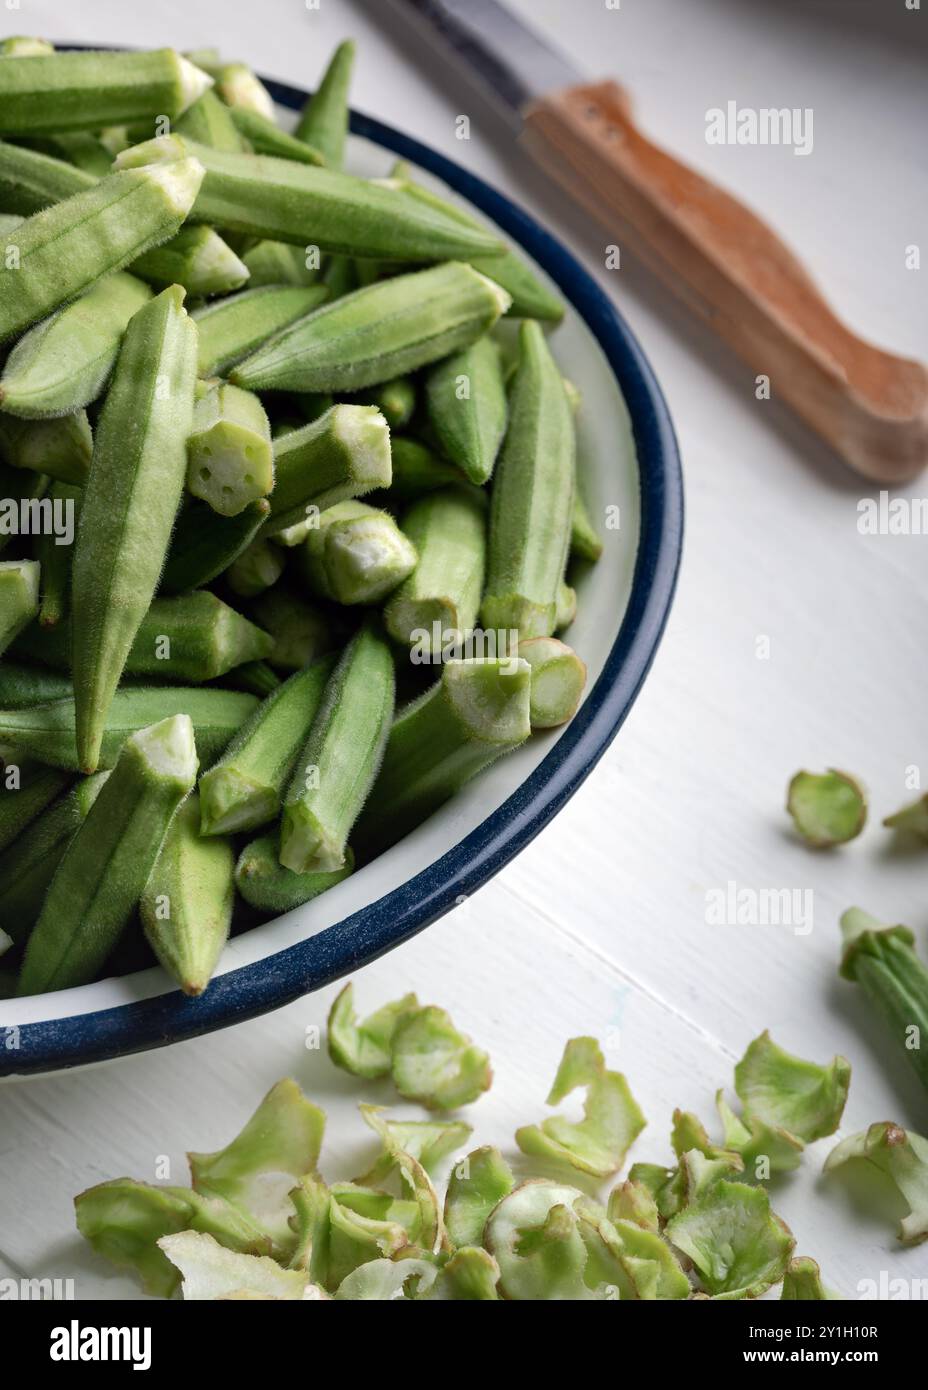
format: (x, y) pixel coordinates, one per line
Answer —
(600, 926)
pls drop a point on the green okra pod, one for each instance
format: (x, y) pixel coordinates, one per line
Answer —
(343, 454)
(566, 607)
(341, 758)
(300, 631)
(130, 502)
(266, 885)
(186, 908)
(232, 328)
(280, 263)
(532, 503)
(23, 46)
(478, 710)
(244, 789)
(60, 252)
(60, 447)
(105, 867)
(417, 469)
(19, 598)
(377, 333)
(23, 505)
(63, 363)
(355, 554)
(26, 789)
(466, 397)
(55, 558)
(31, 180)
(323, 121)
(238, 86)
(85, 91)
(230, 461)
(257, 677)
(22, 686)
(585, 544)
(205, 545)
(29, 863)
(198, 259)
(396, 401)
(340, 276)
(439, 602)
(883, 962)
(83, 150)
(266, 137)
(258, 567)
(558, 678)
(209, 122)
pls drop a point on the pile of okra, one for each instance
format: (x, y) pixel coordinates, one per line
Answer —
(225, 678)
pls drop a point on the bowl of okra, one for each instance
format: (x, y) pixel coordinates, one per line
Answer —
(340, 518)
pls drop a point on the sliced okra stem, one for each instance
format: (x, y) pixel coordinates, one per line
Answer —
(64, 362)
(31, 180)
(47, 731)
(230, 462)
(22, 686)
(396, 401)
(377, 333)
(478, 710)
(266, 137)
(55, 559)
(26, 789)
(86, 91)
(59, 253)
(300, 631)
(466, 397)
(341, 758)
(205, 545)
(209, 121)
(532, 501)
(244, 789)
(105, 867)
(257, 568)
(232, 328)
(186, 908)
(343, 454)
(29, 863)
(130, 502)
(266, 885)
(355, 554)
(19, 598)
(280, 263)
(558, 678)
(60, 447)
(198, 259)
(417, 469)
(323, 121)
(257, 677)
(441, 598)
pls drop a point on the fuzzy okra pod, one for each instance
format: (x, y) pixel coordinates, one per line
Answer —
(55, 559)
(230, 462)
(26, 788)
(355, 554)
(186, 908)
(256, 677)
(442, 595)
(323, 121)
(266, 885)
(257, 568)
(205, 545)
(209, 122)
(344, 454)
(198, 259)
(86, 91)
(24, 46)
(396, 401)
(378, 332)
(266, 137)
(279, 263)
(478, 710)
(31, 180)
(585, 544)
(60, 447)
(300, 631)
(60, 252)
(19, 598)
(21, 686)
(417, 469)
(29, 863)
(558, 678)
(245, 787)
(236, 84)
(47, 731)
(105, 867)
(232, 328)
(337, 767)
(130, 502)
(532, 503)
(63, 363)
(466, 396)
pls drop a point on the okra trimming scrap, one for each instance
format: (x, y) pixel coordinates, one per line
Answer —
(271, 457)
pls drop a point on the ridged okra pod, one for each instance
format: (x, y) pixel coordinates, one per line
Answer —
(266, 137)
(266, 885)
(232, 328)
(343, 454)
(21, 686)
(27, 866)
(54, 554)
(47, 731)
(245, 787)
(279, 263)
(63, 363)
(258, 567)
(209, 122)
(59, 253)
(466, 396)
(105, 867)
(26, 788)
(558, 678)
(86, 91)
(442, 595)
(230, 462)
(130, 502)
(417, 469)
(532, 503)
(205, 545)
(31, 180)
(355, 554)
(186, 908)
(300, 631)
(256, 677)
(198, 259)
(396, 401)
(379, 332)
(19, 598)
(335, 770)
(80, 148)
(585, 544)
(478, 710)
(60, 447)
(323, 121)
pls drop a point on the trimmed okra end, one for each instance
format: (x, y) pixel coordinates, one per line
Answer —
(19, 597)
(490, 697)
(193, 82)
(305, 848)
(168, 750)
(827, 808)
(557, 683)
(231, 802)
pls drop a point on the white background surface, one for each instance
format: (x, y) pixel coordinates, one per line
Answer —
(599, 927)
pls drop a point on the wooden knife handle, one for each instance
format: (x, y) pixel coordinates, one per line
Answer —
(735, 272)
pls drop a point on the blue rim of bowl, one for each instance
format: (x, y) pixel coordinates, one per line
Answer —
(375, 929)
